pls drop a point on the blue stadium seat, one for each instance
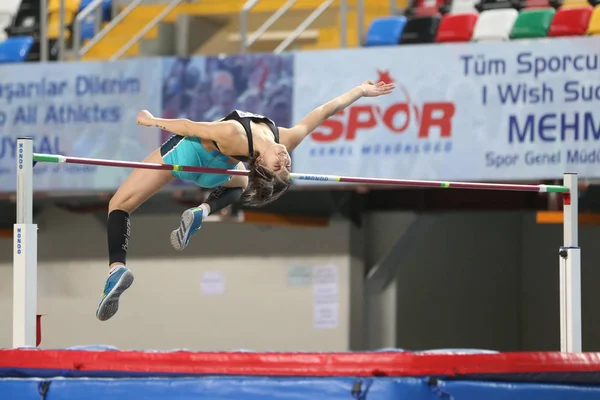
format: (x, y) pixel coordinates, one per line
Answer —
(385, 31)
(106, 8)
(84, 4)
(88, 28)
(15, 49)
(88, 25)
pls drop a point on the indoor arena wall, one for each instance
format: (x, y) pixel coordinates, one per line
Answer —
(267, 298)
(478, 280)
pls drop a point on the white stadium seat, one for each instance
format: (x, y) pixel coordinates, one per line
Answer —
(10, 6)
(8, 9)
(495, 24)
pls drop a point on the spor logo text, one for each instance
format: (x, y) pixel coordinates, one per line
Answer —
(432, 120)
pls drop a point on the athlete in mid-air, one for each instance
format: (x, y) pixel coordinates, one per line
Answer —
(240, 137)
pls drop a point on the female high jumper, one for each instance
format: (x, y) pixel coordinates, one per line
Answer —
(228, 143)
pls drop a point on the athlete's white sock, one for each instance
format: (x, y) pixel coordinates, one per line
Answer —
(204, 208)
(114, 268)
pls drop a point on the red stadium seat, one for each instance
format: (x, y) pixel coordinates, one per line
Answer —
(457, 27)
(425, 8)
(537, 4)
(570, 21)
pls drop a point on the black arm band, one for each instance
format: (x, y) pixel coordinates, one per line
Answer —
(222, 197)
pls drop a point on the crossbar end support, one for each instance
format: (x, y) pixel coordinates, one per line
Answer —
(570, 270)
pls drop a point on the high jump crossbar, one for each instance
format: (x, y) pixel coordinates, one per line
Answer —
(307, 177)
(25, 233)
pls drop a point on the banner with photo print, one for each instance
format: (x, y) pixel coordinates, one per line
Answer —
(209, 88)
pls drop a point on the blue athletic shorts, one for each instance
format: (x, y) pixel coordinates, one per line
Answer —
(180, 150)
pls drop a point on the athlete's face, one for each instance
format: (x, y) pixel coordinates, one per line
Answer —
(278, 160)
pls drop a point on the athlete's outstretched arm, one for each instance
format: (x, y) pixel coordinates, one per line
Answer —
(185, 127)
(292, 137)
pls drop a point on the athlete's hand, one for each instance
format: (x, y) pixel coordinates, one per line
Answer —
(372, 89)
(145, 118)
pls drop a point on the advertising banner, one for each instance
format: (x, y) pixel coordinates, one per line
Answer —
(81, 110)
(209, 88)
(520, 110)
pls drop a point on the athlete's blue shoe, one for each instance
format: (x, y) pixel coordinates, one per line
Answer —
(191, 221)
(116, 284)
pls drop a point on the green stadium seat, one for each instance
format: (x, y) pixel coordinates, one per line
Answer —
(532, 23)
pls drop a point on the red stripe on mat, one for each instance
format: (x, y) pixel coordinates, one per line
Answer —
(306, 364)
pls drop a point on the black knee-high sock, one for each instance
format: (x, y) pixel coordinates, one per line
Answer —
(222, 197)
(119, 229)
